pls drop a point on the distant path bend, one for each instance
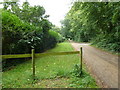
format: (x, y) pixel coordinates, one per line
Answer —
(103, 65)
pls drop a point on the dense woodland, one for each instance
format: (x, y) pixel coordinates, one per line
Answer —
(26, 27)
(95, 22)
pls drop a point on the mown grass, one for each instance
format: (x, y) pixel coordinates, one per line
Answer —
(51, 71)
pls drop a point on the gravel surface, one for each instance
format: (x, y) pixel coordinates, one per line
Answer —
(102, 65)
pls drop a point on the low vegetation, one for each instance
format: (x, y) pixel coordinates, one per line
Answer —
(51, 71)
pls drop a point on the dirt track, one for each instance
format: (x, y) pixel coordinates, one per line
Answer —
(102, 65)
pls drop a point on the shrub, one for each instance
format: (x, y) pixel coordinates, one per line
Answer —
(58, 36)
(20, 37)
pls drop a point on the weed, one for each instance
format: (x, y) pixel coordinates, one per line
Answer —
(81, 81)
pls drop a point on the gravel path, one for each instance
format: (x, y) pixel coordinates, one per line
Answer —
(102, 65)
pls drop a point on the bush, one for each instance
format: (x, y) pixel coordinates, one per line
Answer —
(20, 37)
(58, 36)
(108, 42)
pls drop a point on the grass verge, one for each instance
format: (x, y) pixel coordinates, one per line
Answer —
(51, 71)
(106, 50)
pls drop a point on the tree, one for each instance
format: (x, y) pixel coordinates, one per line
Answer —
(93, 21)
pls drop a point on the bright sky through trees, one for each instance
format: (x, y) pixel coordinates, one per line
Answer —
(57, 9)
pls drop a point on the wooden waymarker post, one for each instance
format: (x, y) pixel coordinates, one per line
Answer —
(81, 61)
(33, 62)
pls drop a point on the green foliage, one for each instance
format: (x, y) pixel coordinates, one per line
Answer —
(56, 35)
(94, 21)
(20, 37)
(76, 70)
(11, 31)
(83, 81)
(34, 15)
(105, 42)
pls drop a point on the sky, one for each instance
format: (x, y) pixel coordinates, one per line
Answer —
(57, 9)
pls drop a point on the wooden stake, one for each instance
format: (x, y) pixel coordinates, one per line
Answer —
(33, 62)
(81, 61)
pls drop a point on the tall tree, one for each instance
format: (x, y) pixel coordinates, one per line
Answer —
(94, 21)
